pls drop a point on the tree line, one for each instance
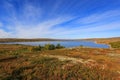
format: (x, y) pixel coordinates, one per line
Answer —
(47, 47)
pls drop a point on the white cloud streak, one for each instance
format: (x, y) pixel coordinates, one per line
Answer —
(1, 24)
(29, 25)
(23, 26)
(94, 28)
(41, 29)
(4, 34)
(100, 28)
(98, 17)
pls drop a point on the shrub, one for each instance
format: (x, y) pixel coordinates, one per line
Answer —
(115, 44)
(58, 46)
(81, 46)
(40, 47)
(37, 48)
(46, 47)
(49, 46)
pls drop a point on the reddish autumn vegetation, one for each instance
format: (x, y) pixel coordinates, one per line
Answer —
(19, 62)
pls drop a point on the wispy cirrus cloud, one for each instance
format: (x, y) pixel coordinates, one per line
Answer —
(100, 17)
(28, 25)
(1, 24)
(4, 34)
(31, 20)
(41, 29)
(27, 13)
(100, 27)
(94, 28)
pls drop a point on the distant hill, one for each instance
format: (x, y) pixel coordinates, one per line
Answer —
(104, 40)
(98, 40)
(24, 40)
(29, 40)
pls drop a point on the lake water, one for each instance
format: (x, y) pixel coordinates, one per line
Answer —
(67, 44)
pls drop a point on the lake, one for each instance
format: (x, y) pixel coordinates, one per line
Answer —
(67, 44)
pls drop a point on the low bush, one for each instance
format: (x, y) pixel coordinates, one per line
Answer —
(115, 44)
(46, 47)
(49, 46)
(58, 46)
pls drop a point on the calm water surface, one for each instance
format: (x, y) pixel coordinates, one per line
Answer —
(67, 44)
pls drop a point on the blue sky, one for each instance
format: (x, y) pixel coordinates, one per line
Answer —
(66, 19)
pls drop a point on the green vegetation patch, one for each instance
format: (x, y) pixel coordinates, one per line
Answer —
(46, 47)
(115, 44)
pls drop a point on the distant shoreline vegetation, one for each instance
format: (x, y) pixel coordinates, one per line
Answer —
(46, 47)
(32, 40)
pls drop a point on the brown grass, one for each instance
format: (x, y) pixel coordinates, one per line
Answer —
(20, 63)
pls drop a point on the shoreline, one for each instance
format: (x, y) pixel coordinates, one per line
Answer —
(103, 43)
(77, 46)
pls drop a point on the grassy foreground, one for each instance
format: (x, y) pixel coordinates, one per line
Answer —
(19, 62)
